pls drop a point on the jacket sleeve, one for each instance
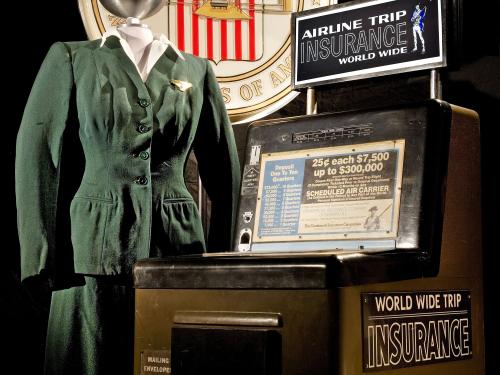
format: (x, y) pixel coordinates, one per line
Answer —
(215, 150)
(38, 159)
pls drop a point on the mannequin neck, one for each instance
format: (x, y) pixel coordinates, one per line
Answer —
(138, 36)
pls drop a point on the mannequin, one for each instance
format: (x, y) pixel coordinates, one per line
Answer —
(131, 106)
(139, 38)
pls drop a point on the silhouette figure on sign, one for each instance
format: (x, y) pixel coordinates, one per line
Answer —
(417, 19)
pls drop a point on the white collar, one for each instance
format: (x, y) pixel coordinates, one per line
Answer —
(156, 37)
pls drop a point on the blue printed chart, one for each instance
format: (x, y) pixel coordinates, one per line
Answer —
(344, 192)
(281, 197)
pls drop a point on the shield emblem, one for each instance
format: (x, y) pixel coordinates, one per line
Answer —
(218, 29)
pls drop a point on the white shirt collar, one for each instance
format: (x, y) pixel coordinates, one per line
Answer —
(159, 37)
(159, 46)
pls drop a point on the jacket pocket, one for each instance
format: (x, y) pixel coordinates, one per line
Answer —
(89, 218)
(182, 229)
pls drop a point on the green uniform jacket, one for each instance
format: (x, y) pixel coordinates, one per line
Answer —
(100, 161)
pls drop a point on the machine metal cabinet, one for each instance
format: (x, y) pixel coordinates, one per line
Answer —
(338, 307)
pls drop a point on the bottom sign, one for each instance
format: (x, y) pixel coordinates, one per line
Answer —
(403, 329)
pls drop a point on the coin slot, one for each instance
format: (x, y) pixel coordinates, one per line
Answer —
(245, 240)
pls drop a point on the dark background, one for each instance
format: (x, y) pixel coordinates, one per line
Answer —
(33, 26)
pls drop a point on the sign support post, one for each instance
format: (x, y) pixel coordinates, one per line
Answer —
(312, 103)
(435, 85)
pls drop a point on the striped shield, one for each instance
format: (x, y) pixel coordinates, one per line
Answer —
(217, 29)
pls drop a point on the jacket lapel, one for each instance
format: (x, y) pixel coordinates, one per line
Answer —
(169, 67)
(113, 49)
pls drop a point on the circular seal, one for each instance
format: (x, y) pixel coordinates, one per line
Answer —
(247, 41)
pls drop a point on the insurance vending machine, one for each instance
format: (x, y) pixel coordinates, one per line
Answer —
(358, 249)
(357, 244)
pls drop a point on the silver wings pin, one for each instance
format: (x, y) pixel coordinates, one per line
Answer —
(181, 85)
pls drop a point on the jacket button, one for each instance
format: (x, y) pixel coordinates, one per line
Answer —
(144, 103)
(142, 128)
(144, 155)
(141, 180)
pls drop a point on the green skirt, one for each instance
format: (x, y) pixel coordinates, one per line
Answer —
(91, 328)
